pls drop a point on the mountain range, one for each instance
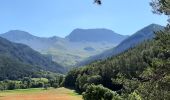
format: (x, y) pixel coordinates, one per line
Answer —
(82, 46)
(78, 45)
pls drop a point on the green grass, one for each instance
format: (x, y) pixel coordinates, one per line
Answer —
(21, 91)
(36, 90)
(40, 79)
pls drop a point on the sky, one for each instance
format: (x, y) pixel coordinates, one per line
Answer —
(47, 18)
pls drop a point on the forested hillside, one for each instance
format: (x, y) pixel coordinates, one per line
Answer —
(18, 60)
(142, 72)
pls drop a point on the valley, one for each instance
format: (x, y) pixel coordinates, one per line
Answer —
(39, 75)
(65, 50)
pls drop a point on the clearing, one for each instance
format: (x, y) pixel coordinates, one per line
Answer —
(40, 94)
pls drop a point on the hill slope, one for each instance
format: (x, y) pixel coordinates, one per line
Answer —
(37, 43)
(142, 35)
(21, 58)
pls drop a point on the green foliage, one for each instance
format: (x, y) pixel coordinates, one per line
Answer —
(134, 96)
(99, 92)
(161, 6)
(81, 83)
(28, 82)
(96, 79)
(157, 86)
(70, 78)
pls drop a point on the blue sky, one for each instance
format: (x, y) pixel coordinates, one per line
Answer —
(60, 17)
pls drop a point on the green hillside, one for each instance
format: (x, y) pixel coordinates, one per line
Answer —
(18, 60)
(142, 72)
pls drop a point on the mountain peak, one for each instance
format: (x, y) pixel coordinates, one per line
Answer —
(93, 31)
(153, 24)
(16, 35)
(95, 35)
(17, 32)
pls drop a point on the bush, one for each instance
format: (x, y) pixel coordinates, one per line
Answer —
(98, 92)
(134, 96)
(11, 86)
(95, 79)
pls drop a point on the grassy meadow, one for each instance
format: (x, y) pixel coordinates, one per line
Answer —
(40, 94)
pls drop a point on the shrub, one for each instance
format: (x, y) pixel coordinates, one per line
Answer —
(134, 96)
(98, 92)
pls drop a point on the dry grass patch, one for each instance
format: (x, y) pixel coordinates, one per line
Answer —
(40, 94)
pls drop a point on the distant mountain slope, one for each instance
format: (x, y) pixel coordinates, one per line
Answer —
(37, 43)
(26, 56)
(17, 35)
(13, 69)
(95, 35)
(137, 38)
(65, 51)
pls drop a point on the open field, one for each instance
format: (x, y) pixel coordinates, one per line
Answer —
(40, 94)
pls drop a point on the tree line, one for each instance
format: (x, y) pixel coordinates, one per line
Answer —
(48, 80)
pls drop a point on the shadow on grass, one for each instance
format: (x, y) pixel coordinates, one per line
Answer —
(76, 91)
(1, 96)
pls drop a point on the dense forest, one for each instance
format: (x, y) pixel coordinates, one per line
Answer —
(142, 72)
